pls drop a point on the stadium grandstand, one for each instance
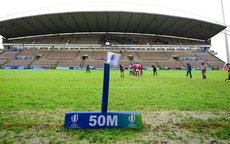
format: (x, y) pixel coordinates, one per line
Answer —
(73, 40)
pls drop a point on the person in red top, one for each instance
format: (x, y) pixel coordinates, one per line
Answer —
(141, 70)
(137, 69)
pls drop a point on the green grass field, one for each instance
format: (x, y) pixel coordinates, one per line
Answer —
(41, 97)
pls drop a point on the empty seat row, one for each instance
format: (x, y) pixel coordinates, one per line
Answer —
(73, 58)
(22, 62)
(62, 55)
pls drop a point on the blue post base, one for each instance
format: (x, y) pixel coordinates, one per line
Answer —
(97, 119)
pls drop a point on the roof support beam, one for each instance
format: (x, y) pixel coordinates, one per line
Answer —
(181, 27)
(139, 23)
(86, 22)
(170, 26)
(214, 31)
(15, 31)
(24, 29)
(118, 22)
(65, 23)
(3, 33)
(33, 26)
(60, 30)
(130, 19)
(97, 24)
(150, 23)
(186, 32)
(200, 33)
(40, 22)
(160, 24)
(76, 23)
(107, 22)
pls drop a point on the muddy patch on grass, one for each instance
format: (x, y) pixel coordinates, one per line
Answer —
(170, 118)
(185, 127)
(33, 117)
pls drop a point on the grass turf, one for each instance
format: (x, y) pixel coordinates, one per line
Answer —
(76, 90)
(43, 97)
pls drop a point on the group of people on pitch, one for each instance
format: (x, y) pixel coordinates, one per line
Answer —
(203, 70)
(136, 69)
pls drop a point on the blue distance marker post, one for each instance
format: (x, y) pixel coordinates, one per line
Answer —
(105, 94)
(103, 119)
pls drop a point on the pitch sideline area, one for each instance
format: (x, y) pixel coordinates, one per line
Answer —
(168, 102)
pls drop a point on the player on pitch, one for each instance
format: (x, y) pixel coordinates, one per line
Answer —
(203, 70)
(154, 70)
(122, 70)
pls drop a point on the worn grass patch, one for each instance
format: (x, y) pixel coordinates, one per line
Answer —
(41, 97)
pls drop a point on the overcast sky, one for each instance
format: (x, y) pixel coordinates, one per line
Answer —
(209, 10)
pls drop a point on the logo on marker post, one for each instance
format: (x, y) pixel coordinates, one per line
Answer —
(74, 118)
(132, 119)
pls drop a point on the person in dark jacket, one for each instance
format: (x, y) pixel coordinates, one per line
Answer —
(228, 75)
(228, 65)
(154, 70)
(87, 69)
(189, 70)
